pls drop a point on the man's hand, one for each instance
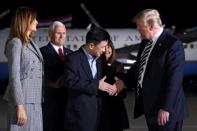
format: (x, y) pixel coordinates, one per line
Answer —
(163, 117)
(119, 84)
(104, 86)
(60, 82)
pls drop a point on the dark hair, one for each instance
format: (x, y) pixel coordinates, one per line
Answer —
(113, 56)
(96, 35)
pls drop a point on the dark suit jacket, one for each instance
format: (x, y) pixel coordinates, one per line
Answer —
(83, 102)
(54, 94)
(162, 84)
(53, 66)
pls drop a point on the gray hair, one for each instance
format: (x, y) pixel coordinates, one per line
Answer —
(53, 25)
(151, 17)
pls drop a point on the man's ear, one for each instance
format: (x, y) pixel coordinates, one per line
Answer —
(91, 45)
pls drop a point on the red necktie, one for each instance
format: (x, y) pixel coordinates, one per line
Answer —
(61, 54)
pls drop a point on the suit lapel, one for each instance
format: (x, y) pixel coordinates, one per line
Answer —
(85, 64)
(52, 51)
(156, 50)
(99, 67)
(33, 47)
(65, 51)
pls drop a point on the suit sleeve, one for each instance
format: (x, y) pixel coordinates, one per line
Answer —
(75, 82)
(174, 75)
(14, 56)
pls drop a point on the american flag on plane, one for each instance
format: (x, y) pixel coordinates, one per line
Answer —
(66, 20)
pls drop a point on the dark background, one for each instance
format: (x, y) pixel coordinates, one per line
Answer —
(109, 14)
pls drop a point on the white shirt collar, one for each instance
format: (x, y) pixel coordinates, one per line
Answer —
(157, 35)
(57, 47)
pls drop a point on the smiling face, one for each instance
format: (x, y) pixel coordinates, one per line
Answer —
(108, 52)
(98, 49)
(58, 36)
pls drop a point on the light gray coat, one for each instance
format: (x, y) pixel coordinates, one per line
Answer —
(25, 66)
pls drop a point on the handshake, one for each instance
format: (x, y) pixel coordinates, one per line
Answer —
(112, 90)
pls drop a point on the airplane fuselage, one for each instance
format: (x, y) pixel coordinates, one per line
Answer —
(76, 38)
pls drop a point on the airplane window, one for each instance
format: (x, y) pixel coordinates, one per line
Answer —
(185, 46)
(192, 46)
(68, 46)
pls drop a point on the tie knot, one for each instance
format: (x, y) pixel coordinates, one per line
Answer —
(147, 41)
(60, 50)
(150, 42)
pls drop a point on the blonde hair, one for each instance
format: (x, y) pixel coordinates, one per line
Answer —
(151, 17)
(22, 19)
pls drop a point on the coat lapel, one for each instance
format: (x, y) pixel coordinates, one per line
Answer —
(156, 50)
(33, 47)
(52, 51)
(99, 67)
(85, 64)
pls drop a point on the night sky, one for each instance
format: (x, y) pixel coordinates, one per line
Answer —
(109, 14)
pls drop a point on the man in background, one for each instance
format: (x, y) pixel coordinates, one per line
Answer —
(54, 95)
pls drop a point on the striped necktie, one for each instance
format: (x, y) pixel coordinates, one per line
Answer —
(142, 67)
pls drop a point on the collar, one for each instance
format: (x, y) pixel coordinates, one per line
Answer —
(157, 35)
(56, 47)
(88, 55)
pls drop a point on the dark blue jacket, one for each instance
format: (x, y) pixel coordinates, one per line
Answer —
(162, 84)
(83, 101)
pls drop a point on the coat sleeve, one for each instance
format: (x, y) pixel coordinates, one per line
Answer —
(14, 60)
(174, 74)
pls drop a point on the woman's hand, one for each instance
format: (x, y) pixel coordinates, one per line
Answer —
(21, 115)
